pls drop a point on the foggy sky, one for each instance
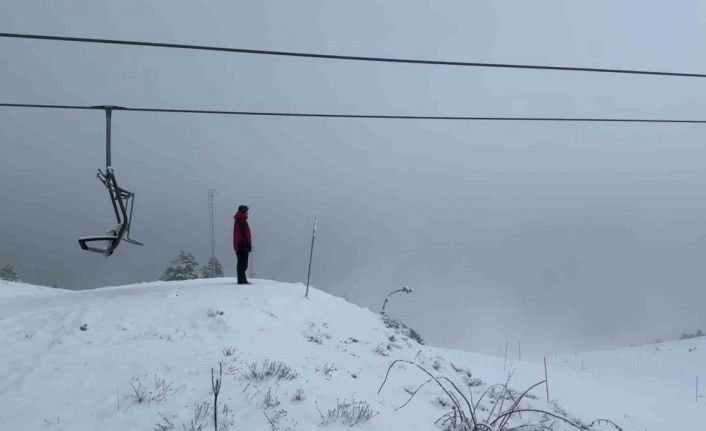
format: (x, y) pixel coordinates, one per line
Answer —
(564, 236)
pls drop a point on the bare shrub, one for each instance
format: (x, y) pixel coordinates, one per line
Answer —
(275, 420)
(233, 366)
(270, 400)
(464, 416)
(229, 350)
(158, 391)
(468, 378)
(267, 370)
(349, 413)
(200, 418)
(475, 381)
(140, 393)
(164, 425)
(276, 417)
(203, 415)
(314, 334)
(327, 369)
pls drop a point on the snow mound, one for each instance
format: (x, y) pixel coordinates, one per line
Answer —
(140, 357)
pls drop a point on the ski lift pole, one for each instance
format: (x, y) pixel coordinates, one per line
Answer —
(108, 118)
(311, 255)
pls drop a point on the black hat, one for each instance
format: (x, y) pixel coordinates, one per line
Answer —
(243, 208)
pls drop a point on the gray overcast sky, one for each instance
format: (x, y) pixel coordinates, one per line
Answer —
(566, 236)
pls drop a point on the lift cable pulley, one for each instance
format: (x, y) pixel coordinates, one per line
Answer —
(121, 199)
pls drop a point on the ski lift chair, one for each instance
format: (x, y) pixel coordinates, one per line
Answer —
(122, 201)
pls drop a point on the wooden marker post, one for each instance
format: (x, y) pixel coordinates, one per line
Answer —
(311, 255)
(546, 378)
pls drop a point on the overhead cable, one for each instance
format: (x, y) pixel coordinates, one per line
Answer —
(348, 57)
(359, 116)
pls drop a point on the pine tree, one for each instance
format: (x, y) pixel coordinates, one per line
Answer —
(699, 333)
(182, 267)
(8, 273)
(207, 269)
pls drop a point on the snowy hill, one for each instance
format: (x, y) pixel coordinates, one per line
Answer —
(140, 357)
(10, 289)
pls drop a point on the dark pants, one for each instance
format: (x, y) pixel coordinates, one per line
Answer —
(242, 266)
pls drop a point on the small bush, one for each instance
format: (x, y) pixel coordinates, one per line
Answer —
(164, 425)
(349, 413)
(159, 391)
(201, 418)
(270, 401)
(275, 420)
(398, 326)
(267, 370)
(315, 334)
(468, 378)
(415, 336)
(327, 370)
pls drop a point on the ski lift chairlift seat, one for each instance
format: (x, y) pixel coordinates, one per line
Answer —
(123, 202)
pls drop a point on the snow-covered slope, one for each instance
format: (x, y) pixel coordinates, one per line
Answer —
(645, 387)
(76, 360)
(10, 289)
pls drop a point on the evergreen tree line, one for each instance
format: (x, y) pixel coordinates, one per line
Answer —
(698, 333)
(185, 267)
(182, 267)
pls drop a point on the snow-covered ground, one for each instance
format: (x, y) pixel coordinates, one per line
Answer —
(76, 360)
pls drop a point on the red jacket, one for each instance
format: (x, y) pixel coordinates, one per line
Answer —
(242, 241)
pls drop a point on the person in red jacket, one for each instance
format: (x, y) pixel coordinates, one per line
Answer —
(242, 242)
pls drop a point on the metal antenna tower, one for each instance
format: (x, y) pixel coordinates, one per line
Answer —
(211, 193)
